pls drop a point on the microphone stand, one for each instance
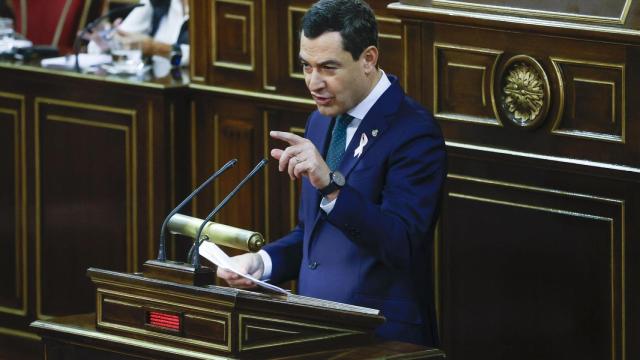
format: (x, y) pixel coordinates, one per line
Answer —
(162, 269)
(196, 245)
(162, 255)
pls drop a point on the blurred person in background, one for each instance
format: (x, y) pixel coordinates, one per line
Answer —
(160, 27)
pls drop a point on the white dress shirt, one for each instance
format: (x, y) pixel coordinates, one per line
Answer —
(358, 113)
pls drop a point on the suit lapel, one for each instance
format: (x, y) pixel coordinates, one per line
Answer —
(372, 127)
(369, 123)
(319, 134)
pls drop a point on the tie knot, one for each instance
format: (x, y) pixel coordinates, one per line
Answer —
(344, 119)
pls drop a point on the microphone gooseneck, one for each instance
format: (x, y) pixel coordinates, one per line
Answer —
(196, 244)
(162, 255)
(94, 23)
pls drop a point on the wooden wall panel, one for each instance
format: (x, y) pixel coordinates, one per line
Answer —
(534, 257)
(462, 83)
(594, 104)
(222, 130)
(234, 43)
(253, 45)
(586, 119)
(226, 127)
(87, 183)
(531, 268)
(77, 147)
(13, 231)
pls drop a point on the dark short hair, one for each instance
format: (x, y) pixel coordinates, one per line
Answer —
(353, 19)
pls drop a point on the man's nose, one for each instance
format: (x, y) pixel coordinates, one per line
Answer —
(316, 81)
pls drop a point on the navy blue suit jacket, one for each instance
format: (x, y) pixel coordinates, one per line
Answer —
(374, 248)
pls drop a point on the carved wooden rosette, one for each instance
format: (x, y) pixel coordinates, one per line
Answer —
(523, 92)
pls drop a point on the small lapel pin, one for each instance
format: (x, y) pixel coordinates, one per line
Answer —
(360, 148)
(374, 132)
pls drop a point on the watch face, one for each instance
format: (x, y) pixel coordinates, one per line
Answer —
(338, 178)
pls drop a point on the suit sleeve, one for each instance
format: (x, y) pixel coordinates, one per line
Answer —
(395, 228)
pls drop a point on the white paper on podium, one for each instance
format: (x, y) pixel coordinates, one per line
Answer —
(214, 254)
(84, 60)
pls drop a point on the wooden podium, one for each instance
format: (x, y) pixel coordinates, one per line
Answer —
(143, 317)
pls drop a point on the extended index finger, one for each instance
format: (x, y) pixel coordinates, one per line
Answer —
(291, 138)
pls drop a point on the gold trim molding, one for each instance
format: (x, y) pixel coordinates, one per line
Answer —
(588, 29)
(509, 10)
(291, 45)
(526, 155)
(126, 341)
(337, 332)
(18, 333)
(265, 59)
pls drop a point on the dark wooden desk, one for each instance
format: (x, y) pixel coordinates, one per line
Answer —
(75, 337)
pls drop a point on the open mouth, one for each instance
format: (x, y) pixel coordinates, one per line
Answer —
(321, 100)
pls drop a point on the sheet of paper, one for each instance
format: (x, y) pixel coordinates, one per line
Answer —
(213, 253)
(85, 60)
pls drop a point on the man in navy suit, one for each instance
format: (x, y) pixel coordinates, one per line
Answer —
(372, 164)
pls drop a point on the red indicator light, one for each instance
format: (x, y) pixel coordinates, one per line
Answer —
(162, 320)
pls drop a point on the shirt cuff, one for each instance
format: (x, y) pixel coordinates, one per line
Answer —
(327, 205)
(266, 262)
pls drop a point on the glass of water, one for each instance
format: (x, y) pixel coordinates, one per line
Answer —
(126, 55)
(6, 34)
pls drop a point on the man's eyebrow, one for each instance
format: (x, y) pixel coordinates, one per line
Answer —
(324, 63)
(330, 62)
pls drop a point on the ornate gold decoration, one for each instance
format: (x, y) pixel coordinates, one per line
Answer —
(524, 95)
(524, 91)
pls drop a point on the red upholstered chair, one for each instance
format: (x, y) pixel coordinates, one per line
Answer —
(51, 22)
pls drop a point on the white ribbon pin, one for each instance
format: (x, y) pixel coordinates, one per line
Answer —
(363, 142)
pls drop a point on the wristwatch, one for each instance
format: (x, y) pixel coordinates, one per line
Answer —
(336, 181)
(176, 55)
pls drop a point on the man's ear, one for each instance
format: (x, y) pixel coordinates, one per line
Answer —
(369, 59)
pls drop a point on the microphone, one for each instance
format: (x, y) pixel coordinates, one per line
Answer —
(162, 255)
(196, 245)
(94, 23)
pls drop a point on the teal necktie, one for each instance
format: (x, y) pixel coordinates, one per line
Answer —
(338, 143)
